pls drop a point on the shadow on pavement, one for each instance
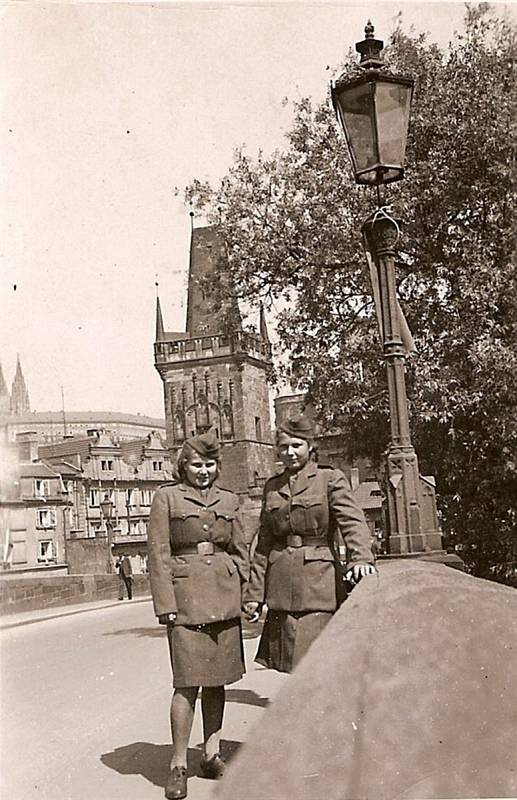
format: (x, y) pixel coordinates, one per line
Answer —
(154, 632)
(151, 761)
(246, 696)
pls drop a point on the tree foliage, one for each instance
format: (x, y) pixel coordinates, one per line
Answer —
(291, 223)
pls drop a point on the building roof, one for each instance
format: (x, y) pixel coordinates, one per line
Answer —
(94, 417)
(37, 470)
(369, 495)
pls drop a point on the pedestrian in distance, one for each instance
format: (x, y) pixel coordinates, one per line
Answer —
(312, 538)
(198, 562)
(125, 575)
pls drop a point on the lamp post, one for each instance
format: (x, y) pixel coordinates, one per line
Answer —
(107, 512)
(373, 110)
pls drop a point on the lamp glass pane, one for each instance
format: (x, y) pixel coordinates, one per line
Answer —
(356, 111)
(392, 104)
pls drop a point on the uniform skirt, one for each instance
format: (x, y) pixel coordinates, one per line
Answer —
(287, 637)
(206, 655)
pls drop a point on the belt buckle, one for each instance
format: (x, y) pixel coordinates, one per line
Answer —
(205, 548)
(294, 541)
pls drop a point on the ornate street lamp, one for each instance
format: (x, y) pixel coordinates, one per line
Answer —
(373, 109)
(106, 507)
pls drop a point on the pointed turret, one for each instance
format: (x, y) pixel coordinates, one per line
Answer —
(5, 400)
(263, 325)
(19, 394)
(159, 322)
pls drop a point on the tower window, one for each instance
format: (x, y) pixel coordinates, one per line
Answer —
(106, 464)
(258, 429)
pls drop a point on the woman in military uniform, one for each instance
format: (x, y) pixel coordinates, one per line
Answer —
(198, 561)
(309, 524)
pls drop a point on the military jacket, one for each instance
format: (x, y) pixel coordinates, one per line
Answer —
(315, 506)
(198, 588)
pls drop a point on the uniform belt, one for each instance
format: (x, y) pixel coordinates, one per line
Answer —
(200, 548)
(301, 541)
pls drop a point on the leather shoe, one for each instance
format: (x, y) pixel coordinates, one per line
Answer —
(212, 767)
(176, 784)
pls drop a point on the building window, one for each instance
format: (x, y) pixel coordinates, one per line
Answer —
(157, 466)
(146, 497)
(95, 529)
(41, 488)
(93, 498)
(45, 518)
(258, 429)
(106, 464)
(46, 550)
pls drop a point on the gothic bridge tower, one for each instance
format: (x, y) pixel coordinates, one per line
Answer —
(217, 377)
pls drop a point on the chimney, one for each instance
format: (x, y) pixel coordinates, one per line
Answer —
(27, 446)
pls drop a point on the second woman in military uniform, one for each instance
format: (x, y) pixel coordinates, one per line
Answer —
(198, 561)
(309, 521)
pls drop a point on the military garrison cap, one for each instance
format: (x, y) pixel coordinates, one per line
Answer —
(299, 426)
(206, 444)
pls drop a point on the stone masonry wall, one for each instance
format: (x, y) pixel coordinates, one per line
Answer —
(29, 594)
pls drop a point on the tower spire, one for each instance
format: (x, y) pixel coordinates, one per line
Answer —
(159, 319)
(211, 301)
(263, 325)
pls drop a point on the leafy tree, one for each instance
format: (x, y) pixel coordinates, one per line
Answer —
(291, 223)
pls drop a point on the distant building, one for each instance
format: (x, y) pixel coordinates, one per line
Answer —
(97, 467)
(51, 501)
(54, 426)
(33, 508)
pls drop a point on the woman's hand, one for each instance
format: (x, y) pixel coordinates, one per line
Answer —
(358, 571)
(167, 619)
(252, 611)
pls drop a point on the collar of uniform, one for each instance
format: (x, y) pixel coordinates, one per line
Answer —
(303, 477)
(213, 496)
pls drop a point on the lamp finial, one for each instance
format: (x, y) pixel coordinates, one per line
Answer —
(370, 49)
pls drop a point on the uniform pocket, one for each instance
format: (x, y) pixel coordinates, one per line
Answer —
(180, 570)
(309, 513)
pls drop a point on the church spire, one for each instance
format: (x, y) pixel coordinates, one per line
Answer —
(19, 394)
(4, 394)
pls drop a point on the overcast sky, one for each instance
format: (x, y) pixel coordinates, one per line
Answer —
(105, 109)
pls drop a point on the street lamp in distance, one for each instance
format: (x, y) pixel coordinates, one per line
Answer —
(106, 506)
(373, 109)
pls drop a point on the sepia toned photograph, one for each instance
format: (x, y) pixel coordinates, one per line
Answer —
(258, 400)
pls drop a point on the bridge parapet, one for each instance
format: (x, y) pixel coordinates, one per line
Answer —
(408, 693)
